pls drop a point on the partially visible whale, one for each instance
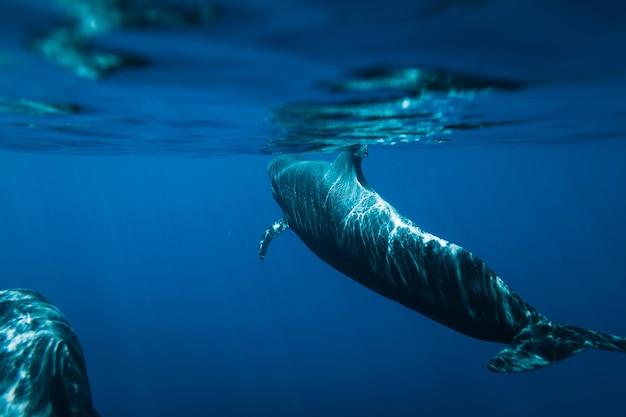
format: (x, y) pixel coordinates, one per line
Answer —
(42, 368)
(340, 217)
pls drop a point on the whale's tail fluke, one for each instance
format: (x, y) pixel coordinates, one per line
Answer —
(544, 343)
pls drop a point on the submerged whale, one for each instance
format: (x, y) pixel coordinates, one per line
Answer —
(42, 368)
(341, 218)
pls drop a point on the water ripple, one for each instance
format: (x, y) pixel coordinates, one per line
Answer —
(401, 105)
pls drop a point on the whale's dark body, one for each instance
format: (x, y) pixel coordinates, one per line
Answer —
(42, 368)
(340, 217)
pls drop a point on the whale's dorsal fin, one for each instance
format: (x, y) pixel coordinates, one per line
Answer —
(359, 151)
(274, 230)
(350, 161)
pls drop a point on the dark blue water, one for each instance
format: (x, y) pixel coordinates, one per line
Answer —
(136, 204)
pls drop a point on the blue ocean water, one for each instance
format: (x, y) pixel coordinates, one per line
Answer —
(135, 202)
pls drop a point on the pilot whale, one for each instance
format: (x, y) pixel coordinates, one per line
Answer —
(42, 368)
(344, 221)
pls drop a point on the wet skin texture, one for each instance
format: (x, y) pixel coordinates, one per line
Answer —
(342, 219)
(42, 368)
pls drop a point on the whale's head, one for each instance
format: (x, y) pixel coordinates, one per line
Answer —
(298, 184)
(279, 170)
(289, 172)
(295, 181)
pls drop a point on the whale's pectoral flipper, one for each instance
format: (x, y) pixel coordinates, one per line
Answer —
(274, 230)
(545, 343)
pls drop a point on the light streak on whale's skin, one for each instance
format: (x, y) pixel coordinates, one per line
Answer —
(42, 367)
(344, 221)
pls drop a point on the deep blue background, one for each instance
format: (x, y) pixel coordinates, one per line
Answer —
(153, 260)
